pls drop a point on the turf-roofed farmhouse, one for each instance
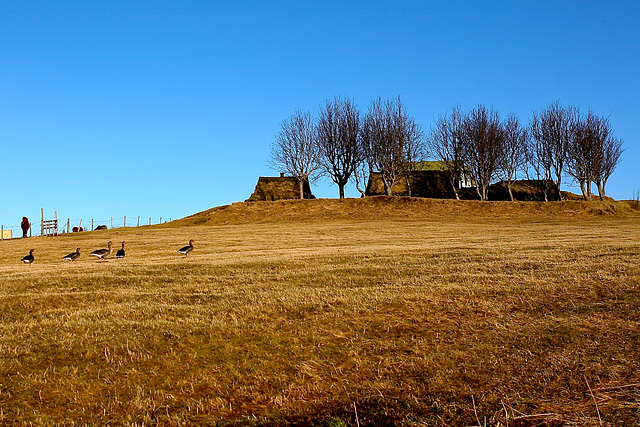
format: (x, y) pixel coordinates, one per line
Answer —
(281, 187)
(431, 179)
(422, 179)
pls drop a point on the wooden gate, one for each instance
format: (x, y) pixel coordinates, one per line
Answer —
(50, 226)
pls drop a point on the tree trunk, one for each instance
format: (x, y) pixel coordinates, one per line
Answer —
(585, 191)
(387, 187)
(341, 190)
(510, 192)
(301, 183)
(600, 186)
(558, 183)
(455, 190)
(363, 193)
(559, 191)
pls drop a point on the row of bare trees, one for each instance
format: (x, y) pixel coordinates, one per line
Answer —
(558, 141)
(344, 145)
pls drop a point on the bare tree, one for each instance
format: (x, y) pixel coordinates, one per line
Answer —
(374, 139)
(295, 150)
(446, 145)
(580, 159)
(483, 142)
(538, 158)
(593, 153)
(391, 139)
(338, 140)
(360, 176)
(513, 158)
(410, 136)
(551, 130)
(607, 154)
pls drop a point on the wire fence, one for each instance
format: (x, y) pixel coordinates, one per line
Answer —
(73, 225)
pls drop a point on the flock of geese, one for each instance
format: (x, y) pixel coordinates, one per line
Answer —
(103, 254)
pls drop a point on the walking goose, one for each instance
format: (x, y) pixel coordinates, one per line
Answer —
(120, 253)
(28, 259)
(73, 255)
(187, 249)
(102, 254)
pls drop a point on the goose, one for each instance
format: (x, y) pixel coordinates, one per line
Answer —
(28, 259)
(120, 253)
(187, 249)
(73, 255)
(102, 254)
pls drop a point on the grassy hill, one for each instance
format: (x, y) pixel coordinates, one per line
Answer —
(381, 207)
(380, 311)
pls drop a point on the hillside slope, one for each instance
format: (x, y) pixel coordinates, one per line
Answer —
(396, 311)
(382, 207)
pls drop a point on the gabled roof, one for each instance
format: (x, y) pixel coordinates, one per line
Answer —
(279, 188)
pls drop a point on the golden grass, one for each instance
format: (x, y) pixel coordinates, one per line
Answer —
(403, 312)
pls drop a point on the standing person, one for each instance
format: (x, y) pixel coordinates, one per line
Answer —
(25, 226)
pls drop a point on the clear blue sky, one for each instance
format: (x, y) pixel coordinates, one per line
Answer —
(166, 108)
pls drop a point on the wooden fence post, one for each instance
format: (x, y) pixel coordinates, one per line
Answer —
(149, 220)
(111, 222)
(138, 221)
(68, 225)
(42, 221)
(1, 232)
(124, 224)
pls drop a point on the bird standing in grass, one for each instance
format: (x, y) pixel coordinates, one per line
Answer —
(73, 255)
(28, 259)
(186, 250)
(120, 253)
(102, 254)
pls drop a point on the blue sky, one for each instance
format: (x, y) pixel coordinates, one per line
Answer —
(167, 108)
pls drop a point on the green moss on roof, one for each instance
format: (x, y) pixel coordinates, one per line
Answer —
(429, 166)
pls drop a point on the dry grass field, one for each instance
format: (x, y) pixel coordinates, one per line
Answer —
(358, 312)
